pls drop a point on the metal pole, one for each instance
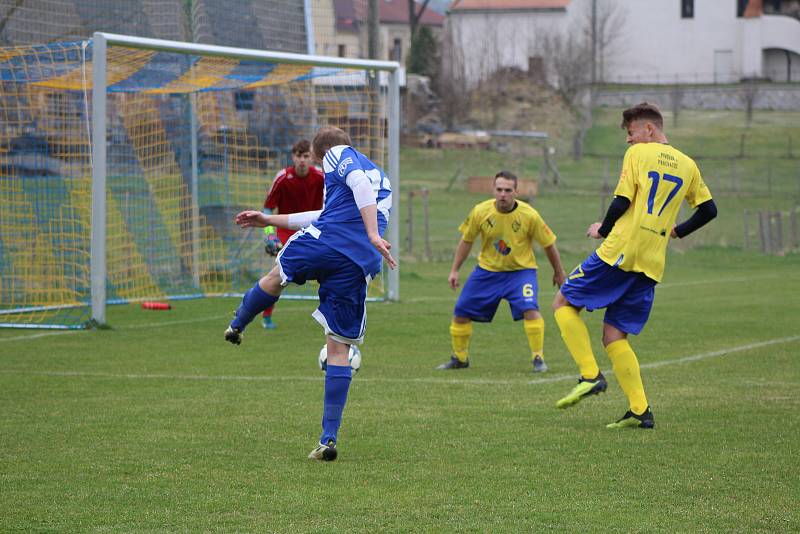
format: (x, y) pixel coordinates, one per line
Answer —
(762, 232)
(594, 42)
(97, 251)
(310, 44)
(394, 174)
(410, 224)
(426, 226)
(195, 193)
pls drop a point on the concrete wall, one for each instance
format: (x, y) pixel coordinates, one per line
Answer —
(767, 96)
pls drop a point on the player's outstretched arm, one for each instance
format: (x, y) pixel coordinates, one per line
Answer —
(293, 221)
(462, 252)
(559, 275)
(252, 219)
(369, 214)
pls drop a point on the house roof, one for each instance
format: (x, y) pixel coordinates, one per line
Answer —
(351, 13)
(508, 5)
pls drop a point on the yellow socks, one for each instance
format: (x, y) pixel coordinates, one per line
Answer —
(460, 335)
(576, 337)
(534, 330)
(626, 369)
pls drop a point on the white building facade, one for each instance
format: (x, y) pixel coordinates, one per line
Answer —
(637, 41)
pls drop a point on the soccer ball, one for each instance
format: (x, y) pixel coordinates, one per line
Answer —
(354, 357)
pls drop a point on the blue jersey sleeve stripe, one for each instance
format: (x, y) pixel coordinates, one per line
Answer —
(330, 160)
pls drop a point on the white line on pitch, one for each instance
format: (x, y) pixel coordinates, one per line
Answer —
(426, 380)
(692, 358)
(41, 334)
(171, 323)
(27, 337)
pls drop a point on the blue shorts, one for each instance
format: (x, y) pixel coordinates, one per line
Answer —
(627, 297)
(484, 289)
(342, 291)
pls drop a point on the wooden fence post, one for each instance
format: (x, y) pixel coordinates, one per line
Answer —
(769, 177)
(746, 226)
(778, 232)
(762, 233)
(770, 240)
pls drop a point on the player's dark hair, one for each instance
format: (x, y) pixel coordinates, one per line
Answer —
(508, 176)
(301, 147)
(327, 137)
(644, 111)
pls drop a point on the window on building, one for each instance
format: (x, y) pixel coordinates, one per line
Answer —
(396, 52)
(244, 100)
(773, 7)
(741, 5)
(687, 9)
(342, 50)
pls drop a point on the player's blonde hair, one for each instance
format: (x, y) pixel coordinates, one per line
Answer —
(644, 111)
(327, 137)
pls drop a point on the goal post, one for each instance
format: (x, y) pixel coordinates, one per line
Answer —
(159, 144)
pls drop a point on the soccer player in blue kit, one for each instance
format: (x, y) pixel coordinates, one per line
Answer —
(341, 248)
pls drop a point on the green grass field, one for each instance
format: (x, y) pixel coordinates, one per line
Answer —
(158, 425)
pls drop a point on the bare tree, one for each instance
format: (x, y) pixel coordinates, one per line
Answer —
(577, 61)
(748, 94)
(570, 62)
(677, 102)
(608, 19)
(415, 15)
(452, 78)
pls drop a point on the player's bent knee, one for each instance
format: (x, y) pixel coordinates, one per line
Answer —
(271, 283)
(612, 334)
(559, 301)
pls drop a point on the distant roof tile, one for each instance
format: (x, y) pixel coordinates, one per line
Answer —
(507, 5)
(396, 11)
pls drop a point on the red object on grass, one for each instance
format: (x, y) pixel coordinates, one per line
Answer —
(148, 305)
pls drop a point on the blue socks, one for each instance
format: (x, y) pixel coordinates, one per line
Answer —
(337, 384)
(255, 301)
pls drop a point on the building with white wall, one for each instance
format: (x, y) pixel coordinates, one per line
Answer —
(637, 41)
(340, 28)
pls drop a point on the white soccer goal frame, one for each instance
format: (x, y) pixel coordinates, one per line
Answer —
(102, 40)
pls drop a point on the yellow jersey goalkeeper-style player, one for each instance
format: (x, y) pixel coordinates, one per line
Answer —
(621, 275)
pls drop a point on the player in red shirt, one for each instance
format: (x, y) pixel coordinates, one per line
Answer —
(294, 189)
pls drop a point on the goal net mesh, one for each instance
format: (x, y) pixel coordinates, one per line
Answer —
(191, 140)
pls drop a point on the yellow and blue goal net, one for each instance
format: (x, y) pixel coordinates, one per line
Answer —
(191, 138)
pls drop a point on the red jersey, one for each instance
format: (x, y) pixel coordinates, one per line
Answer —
(292, 194)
